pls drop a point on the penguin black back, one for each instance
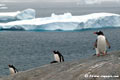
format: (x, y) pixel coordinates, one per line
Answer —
(62, 58)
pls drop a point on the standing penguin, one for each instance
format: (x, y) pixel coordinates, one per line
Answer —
(101, 44)
(12, 69)
(58, 57)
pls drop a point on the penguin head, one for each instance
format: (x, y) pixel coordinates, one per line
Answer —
(99, 33)
(54, 52)
(9, 65)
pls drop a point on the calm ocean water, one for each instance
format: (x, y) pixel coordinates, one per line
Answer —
(29, 49)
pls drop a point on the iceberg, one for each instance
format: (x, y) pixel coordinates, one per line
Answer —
(18, 15)
(2, 5)
(26, 14)
(65, 22)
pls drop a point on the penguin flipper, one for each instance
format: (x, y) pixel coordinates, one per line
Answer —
(108, 44)
(16, 70)
(95, 44)
(62, 58)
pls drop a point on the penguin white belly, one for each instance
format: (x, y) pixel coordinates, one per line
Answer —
(101, 44)
(57, 58)
(11, 71)
(97, 52)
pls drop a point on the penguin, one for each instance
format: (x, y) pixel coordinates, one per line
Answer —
(58, 57)
(12, 69)
(101, 43)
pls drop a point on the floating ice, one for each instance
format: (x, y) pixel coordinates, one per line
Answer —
(3, 7)
(65, 22)
(14, 16)
(26, 14)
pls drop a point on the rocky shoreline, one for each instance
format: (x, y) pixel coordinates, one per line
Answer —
(94, 68)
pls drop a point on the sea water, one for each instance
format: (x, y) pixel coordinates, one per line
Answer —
(30, 49)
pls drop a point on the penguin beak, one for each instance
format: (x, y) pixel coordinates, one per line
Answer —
(95, 33)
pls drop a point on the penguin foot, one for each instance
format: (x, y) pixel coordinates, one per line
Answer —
(54, 62)
(98, 55)
(104, 54)
(94, 54)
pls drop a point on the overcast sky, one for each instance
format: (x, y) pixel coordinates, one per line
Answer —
(76, 7)
(80, 1)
